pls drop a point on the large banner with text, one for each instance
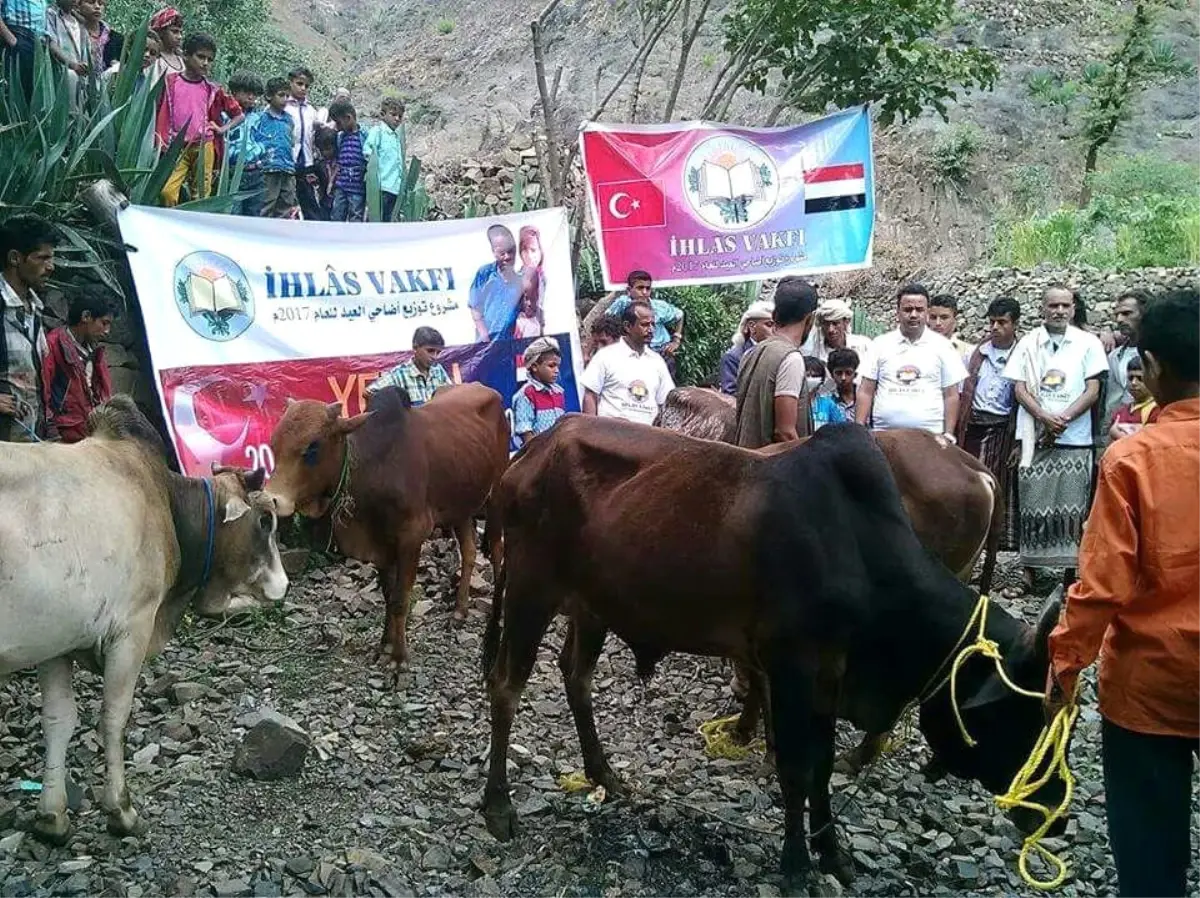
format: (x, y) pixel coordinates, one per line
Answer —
(242, 314)
(695, 203)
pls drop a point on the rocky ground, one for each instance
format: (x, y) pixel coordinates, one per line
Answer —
(387, 800)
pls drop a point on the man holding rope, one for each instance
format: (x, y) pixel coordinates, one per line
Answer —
(1137, 605)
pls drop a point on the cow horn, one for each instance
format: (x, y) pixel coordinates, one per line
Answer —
(1047, 620)
(290, 401)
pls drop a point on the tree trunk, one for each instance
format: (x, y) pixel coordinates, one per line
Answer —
(551, 172)
(1089, 168)
(685, 51)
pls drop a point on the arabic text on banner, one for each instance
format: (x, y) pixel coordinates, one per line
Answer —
(243, 313)
(696, 203)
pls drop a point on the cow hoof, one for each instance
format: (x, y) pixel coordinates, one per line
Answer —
(501, 822)
(839, 864)
(53, 829)
(796, 885)
(125, 823)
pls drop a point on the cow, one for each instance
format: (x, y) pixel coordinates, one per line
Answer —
(102, 550)
(388, 476)
(683, 545)
(699, 412)
(950, 495)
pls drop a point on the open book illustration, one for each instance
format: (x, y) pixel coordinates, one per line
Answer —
(213, 296)
(743, 180)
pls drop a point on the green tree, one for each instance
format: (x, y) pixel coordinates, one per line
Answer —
(1105, 97)
(812, 54)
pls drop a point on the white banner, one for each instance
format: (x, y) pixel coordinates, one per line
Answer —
(242, 313)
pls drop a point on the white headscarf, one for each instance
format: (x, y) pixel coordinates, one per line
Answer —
(758, 311)
(834, 310)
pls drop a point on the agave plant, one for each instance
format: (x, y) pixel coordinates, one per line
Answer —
(51, 152)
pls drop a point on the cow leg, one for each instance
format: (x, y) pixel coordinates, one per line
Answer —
(59, 719)
(400, 579)
(122, 663)
(791, 695)
(577, 661)
(526, 617)
(753, 708)
(464, 531)
(862, 755)
(833, 858)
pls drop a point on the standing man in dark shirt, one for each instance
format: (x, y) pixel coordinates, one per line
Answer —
(772, 399)
(27, 255)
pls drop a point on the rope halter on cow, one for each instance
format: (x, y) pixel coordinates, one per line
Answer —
(210, 536)
(1052, 742)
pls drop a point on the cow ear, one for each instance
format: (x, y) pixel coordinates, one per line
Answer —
(254, 479)
(290, 401)
(234, 509)
(345, 425)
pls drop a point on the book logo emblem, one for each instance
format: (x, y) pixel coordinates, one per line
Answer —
(731, 183)
(213, 296)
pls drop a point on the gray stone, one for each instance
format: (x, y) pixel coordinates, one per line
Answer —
(437, 857)
(10, 843)
(188, 692)
(271, 750)
(267, 888)
(231, 888)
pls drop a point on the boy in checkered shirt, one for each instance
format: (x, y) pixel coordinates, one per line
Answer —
(421, 375)
(540, 402)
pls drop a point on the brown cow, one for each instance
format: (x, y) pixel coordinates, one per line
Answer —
(389, 476)
(683, 545)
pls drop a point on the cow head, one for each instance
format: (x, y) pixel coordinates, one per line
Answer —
(245, 559)
(1004, 724)
(309, 445)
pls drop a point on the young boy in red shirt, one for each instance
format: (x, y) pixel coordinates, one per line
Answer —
(1136, 606)
(203, 111)
(75, 376)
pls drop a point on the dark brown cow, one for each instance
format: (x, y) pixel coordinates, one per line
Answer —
(683, 545)
(389, 476)
(949, 493)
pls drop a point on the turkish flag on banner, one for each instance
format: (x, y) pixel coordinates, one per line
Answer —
(631, 204)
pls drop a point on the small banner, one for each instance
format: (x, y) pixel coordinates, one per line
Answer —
(243, 313)
(696, 203)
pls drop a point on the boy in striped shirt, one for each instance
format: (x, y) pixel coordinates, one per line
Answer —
(539, 404)
(350, 184)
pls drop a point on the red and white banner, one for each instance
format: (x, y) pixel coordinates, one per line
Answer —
(243, 313)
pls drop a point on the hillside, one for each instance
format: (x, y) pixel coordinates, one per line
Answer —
(467, 72)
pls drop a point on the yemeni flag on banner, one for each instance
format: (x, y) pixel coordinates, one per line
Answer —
(693, 202)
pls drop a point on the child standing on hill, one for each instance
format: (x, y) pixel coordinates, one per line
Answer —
(385, 141)
(326, 170)
(350, 185)
(91, 14)
(421, 375)
(246, 88)
(68, 43)
(274, 131)
(192, 104)
(167, 25)
(538, 405)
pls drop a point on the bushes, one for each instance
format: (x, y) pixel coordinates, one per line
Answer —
(1144, 212)
(711, 315)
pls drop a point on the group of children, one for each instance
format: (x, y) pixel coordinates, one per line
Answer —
(296, 160)
(536, 406)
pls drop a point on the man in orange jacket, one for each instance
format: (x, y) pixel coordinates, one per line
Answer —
(1137, 606)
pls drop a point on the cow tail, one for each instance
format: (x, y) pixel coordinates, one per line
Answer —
(995, 532)
(493, 540)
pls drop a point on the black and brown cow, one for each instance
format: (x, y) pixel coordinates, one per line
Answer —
(683, 545)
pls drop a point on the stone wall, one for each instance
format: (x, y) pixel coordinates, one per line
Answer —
(975, 289)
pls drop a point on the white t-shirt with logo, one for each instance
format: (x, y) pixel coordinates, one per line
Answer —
(910, 376)
(628, 384)
(1055, 369)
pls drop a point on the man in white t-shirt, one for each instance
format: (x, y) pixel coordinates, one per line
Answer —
(628, 379)
(1057, 370)
(910, 376)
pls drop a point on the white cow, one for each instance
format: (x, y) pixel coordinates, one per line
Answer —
(102, 549)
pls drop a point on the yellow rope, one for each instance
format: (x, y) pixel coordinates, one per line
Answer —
(575, 782)
(1053, 741)
(719, 741)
